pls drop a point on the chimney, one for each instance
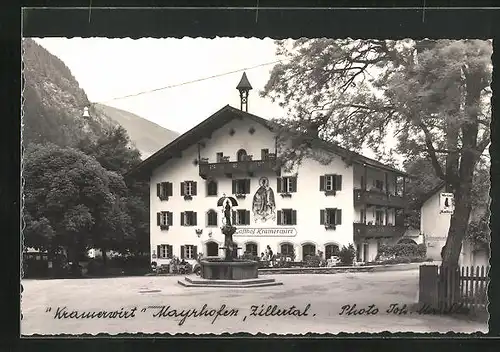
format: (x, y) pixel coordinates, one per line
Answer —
(244, 87)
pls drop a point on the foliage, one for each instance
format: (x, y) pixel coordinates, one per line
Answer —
(70, 197)
(312, 261)
(347, 254)
(403, 250)
(402, 260)
(479, 232)
(432, 95)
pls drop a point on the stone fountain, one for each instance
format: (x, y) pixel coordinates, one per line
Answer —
(228, 271)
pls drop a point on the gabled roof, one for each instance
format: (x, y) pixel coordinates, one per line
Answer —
(205, 129)
(432, 192)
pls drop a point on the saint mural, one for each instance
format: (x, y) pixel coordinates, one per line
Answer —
(264, 205)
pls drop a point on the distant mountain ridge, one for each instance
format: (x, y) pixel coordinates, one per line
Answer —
(148, 137)
(54, 104)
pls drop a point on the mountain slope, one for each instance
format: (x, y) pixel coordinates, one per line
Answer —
(147, 136)
(53, 101)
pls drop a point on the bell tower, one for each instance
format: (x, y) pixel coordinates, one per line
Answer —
(244, 88)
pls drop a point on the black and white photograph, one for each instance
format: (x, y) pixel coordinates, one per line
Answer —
(248, 185)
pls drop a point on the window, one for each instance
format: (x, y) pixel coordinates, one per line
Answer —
(164, 190)
(241, 186)
(379, 217)
(287, 217)
(212, 249)
(188, 218)
(241, 155)
(211, 218)
(308, 250)
(251, 248)
(362, 216)
(241, 217)
(330, 183)
(211, 188)
(264, 154)
(331, 216)
(189, 251)
(220, 157)
(164, 218)
(379, 185)
(286, 249)
(164, 251)
(188, 188)
(331, 250)
(287, 184)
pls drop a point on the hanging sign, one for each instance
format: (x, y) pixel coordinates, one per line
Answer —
(266, 232)
(446, 203)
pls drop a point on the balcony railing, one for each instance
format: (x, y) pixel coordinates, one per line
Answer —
(362, 231)
(379, 198)
(248, 166)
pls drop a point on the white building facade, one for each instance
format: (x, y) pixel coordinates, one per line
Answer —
(319, 206)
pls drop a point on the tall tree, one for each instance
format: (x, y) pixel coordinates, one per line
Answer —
(432, 95)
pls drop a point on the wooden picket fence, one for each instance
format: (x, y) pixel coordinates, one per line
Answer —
(465, 286)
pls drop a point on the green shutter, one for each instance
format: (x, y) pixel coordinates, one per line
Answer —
(338, 182)
(182, 188)
(158, 251)
(169, 189)
(338, 216)
(247, 217)
(182, 219)
(170, 218)
(294, 183)
(183, 252)
(294, 217)
(322, 217)
(195, 220)
(195, 252)
(279, 217)
(169, 251)
(279, 184)
(158, 189)
(234, 187)
(158, 219)
(194, 188)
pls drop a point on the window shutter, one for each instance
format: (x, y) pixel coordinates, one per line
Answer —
(322, 217)
(294, 183)
(338, 182)
(158, 219)
(169, 189)
(158, 247)
(234, 186)
(170, 218)
(182, 188)
(322, 183)
(233, 220)
(195, 222)
(247, 186)
(158, 189)
(294, 217)
(247, 217)
(338, 217)
(279, 184)
(195, 252)
(182, 219)
(194, 186)
(169, 251)
(279, 220)
(183, 252)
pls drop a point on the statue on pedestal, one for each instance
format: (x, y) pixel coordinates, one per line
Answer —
(227, 227)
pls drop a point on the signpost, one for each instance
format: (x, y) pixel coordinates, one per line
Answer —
(446, 203)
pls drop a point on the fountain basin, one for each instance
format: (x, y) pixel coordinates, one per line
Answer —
(229, 270)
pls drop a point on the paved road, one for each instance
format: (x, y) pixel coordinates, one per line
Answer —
(326, 294)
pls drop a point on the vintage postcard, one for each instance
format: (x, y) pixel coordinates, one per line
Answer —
(254, 185)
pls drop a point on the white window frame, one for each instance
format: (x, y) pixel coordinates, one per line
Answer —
(329, 180)
(328, 219)
(163, 251)
(212, 213)
(188, 251)
(287, 185)
(188, 188)
(163, 218)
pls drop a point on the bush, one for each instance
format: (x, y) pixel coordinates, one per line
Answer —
(312, 261)
(347, 255)
(403, 250)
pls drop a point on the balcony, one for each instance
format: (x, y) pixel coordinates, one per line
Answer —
(362, 231)
(378, 198)
(229, 168)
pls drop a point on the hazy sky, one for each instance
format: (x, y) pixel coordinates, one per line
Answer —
(110, 68)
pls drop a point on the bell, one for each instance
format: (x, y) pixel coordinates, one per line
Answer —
(446, 203)
(86, 112)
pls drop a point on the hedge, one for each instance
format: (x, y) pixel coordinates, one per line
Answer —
(403, 250)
